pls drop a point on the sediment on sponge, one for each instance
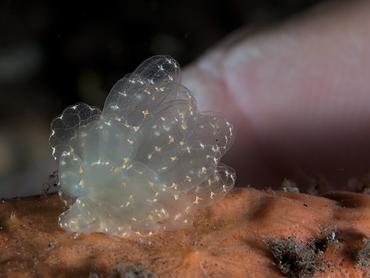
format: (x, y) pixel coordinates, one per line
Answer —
(131, 271)
(362, 255)
(297, 259)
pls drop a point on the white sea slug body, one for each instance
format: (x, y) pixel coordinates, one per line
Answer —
(144, 162)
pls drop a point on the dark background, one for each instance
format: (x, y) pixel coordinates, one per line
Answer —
(53, 54)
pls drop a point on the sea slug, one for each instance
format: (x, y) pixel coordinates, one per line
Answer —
(146, 161)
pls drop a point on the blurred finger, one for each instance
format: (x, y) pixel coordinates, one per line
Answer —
(299, 95)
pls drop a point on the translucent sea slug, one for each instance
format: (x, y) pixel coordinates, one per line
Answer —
(144, 162)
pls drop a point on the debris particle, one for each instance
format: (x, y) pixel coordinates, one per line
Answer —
(289, 186)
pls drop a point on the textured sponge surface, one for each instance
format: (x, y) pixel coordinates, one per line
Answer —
(226, 239)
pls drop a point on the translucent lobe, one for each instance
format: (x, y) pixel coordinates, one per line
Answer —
(143, 89)
(165, 136)
(159, 69)
(146, 161)
(108, 141)
(70, 173)
(212, 130)
(64, 127)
